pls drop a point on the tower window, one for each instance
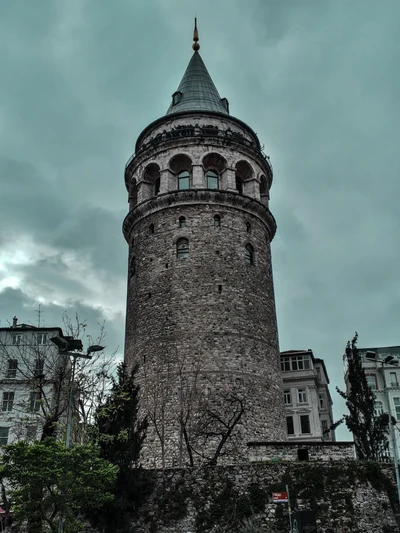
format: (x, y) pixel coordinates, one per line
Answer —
(132, 267)
(182, 222)
(182, 249)
(212, 179)
(249, 254)
(151, 228)
(217, 221)
(239, 185)
(176, 97)
(157, 186)
(248, 227)
(183, 180)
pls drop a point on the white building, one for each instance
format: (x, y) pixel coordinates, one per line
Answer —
(383, 370)
(32, 381)
(308, 402)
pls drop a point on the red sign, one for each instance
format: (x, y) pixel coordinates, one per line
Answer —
(279, 497)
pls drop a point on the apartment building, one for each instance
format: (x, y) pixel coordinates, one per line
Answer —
(308, 402)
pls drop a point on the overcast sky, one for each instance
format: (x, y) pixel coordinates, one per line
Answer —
(319, 82)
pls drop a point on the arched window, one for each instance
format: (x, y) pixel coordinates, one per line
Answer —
(217, 221)
(248, 227)
(212, 179)
(183, 180)
(182, 222)
(151, 228)
(182, 249)
(249, 254)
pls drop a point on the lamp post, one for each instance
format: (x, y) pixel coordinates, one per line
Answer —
(391, 362)
(64, 344)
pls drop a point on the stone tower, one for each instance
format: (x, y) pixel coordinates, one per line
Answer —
(201, 320)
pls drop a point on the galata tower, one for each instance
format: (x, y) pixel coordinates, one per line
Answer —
(201, 319)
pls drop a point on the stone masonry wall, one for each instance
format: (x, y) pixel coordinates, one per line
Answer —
(289, 451)
(346, 496)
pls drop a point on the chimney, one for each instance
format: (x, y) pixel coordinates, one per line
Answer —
(15, 320)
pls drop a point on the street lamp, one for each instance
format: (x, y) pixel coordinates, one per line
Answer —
(64, 344)
(393, 363)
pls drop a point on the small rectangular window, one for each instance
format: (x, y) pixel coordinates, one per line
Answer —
(302, 395)
(8, 401)
(325, 430)
(12, 368)
(31, 432)
(396, 402)
(42, 338)
(393, 379)
(39, 364)
(305, 424)
(16, 338)
(4, 436)
(34, 402)
(321, 400)
(288, 397)
(371, 380)
(318, 369)
(290, 425)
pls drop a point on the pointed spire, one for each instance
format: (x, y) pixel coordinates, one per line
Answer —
(195, 45)
(197, 91)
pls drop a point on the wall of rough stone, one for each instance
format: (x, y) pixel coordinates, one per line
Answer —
(347, 497)
(289, 451)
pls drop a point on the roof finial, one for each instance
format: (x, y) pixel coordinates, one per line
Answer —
(195, 45)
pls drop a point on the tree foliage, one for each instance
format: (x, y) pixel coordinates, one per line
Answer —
(46, 477)
(119, 433)
(370, 430)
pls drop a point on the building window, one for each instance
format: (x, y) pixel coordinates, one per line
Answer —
(325, 429)
(217, 221)
(305, 424)
(393, 379)
(301, 362)
(12, 368)
(157, 186)
(183, 180)
(249, 254)
(212, 179)
(297, 362)
(31, 432)
(371, 380)
(4, 436)
(290, 425)
(321, 400)
(42, 338)
(248, 227)
(396, 402)
(8, 401)
(34, 402)
(16, 338)
(288, 397)
(239, 185)
(39, 364)
(378, 408)
(182, 222)
(302, 395)
(182, 249)
(318, 369)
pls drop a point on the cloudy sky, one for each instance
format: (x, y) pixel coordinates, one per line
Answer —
(318, 80)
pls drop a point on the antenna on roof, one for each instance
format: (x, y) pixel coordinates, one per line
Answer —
(195, 45)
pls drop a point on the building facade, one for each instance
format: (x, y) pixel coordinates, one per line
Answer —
(201, 319)
(30, 370)
(383, 376)
(308, 402)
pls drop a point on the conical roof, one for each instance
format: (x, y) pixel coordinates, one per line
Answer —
(197, 91)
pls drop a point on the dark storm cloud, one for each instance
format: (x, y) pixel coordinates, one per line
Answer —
(319, 83)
